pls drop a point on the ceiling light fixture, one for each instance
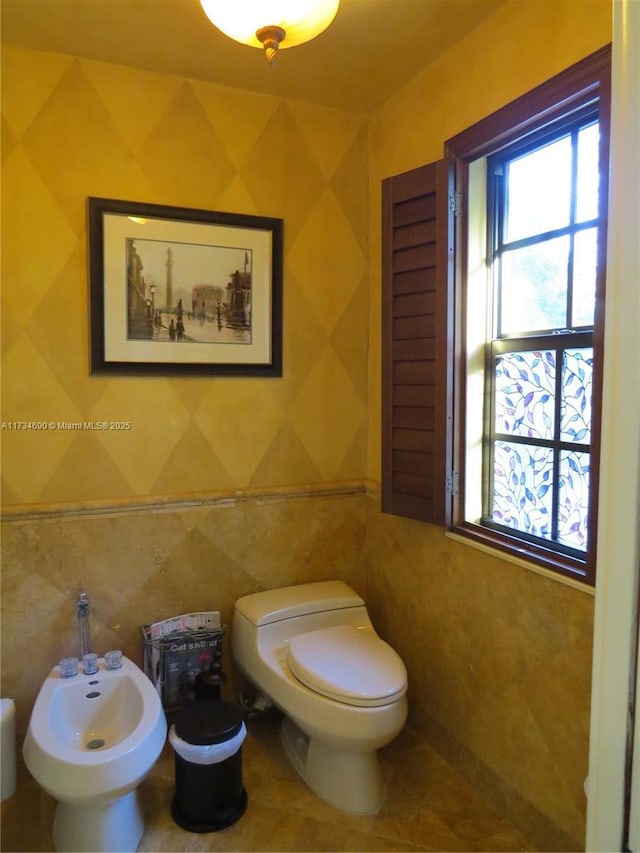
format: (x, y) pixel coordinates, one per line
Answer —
(271, 24)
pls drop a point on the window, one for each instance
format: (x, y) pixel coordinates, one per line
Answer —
(493, 295)
(539, 373)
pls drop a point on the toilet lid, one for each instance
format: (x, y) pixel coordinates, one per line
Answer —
(348, 664)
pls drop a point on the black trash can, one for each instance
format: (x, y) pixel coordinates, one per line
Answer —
(207, 741)
(209, 686)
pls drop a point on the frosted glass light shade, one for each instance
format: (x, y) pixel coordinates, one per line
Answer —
(300, 20)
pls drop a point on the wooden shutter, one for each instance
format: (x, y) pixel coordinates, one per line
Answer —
(417, 342)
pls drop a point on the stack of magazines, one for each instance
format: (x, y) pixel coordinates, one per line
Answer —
(177, 649)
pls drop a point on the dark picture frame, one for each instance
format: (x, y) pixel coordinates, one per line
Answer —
(183, 291)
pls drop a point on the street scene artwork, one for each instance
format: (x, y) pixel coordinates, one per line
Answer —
(183, 291)
(188, 293)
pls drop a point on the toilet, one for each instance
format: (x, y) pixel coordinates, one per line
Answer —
(312, 651)
(91, 740)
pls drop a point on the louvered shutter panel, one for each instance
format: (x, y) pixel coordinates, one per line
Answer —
(417, 348)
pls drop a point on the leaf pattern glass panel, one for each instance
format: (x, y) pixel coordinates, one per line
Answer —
(575, 404)
(534, 287)
(573, 499)
(522, 487)
(525, 393)
(539, 190)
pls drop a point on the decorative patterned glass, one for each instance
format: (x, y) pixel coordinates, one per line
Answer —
(573, 499)
(522, 488)
(525, 393)
(575, 407)
(523, 492)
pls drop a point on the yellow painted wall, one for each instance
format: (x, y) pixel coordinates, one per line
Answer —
(74, 128)
(499, 658)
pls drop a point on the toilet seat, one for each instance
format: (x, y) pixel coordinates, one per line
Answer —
(348, 664)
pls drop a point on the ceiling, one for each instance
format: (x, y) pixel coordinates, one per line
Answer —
(370, 50)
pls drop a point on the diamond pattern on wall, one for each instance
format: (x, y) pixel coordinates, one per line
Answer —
(351, 191)
(87, 472)
(350, 339)
(328, 271)
(303, 343)
(28, 81)
(238, 118)
(135, 100)
(237, 197)
(286, 461)
(282, 174)
(30, 394)
(327, 413)
(319, 124)
(355, 457)
(36, 237)
(239, 422)
(157, 419)
(192, 463)
(182, 158)
(76, 148)
(62, 316)
(79, 128)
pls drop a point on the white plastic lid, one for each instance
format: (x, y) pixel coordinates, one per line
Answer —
(349, 664)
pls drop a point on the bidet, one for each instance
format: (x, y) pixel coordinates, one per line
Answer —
(92, 739)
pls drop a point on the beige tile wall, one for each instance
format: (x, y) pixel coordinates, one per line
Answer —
(498, 658)
(143, 563)
(499, 663)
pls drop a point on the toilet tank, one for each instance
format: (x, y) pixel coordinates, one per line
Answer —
(275, 605)
(264, 622)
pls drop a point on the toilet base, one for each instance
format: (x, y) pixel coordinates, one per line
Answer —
(99, 826)
(350, 781)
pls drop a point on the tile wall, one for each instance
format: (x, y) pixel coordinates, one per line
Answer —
(144, 563)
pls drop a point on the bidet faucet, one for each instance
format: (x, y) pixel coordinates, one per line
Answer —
(83, 624)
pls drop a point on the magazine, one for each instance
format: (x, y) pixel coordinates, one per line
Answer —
(177, 649)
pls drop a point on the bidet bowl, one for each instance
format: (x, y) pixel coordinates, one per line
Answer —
(92, 735)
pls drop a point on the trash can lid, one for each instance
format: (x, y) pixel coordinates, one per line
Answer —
(208, 722)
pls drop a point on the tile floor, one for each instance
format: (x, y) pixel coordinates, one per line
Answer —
(429, 807)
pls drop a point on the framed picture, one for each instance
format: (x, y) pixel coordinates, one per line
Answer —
(182, 291)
